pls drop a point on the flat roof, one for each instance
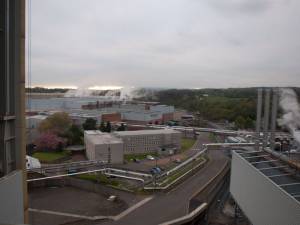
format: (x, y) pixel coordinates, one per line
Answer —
(146, 132)
(98, 137)
(278, 171)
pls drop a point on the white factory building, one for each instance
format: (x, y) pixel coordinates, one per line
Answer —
(111, 147)
(143, 141)
(103, 146)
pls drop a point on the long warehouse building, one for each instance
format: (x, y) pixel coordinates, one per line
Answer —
(143, 141)
(111, 147)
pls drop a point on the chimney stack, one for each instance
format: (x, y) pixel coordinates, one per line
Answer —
(266, 115)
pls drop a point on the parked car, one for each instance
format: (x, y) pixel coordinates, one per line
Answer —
(112, 198)
(155, 170)
(150, 157)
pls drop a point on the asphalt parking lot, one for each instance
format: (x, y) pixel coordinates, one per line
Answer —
(75, 201)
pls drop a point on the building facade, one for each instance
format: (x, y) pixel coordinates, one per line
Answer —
(144, 141)
(103, 146)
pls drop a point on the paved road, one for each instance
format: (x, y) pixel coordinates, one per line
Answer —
(165, 207)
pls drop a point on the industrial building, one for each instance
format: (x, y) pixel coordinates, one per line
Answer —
(111, 147)
(143, 141)
(114, 112)
(103, 146)
(266, 189)
(264, 184)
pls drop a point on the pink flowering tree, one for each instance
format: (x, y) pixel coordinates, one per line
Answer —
(49, 142)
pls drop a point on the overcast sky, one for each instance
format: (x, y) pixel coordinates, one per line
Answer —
(165, 43)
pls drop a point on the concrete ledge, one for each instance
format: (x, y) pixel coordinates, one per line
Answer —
(188, 218)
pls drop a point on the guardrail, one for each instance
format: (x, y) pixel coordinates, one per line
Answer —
(176, 180)
(188, 218)
(129, 172)
(185, 162)
(106, 171)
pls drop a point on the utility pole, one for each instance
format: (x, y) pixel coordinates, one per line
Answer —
(109, 155)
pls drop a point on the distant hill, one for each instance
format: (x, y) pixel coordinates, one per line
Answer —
(46, 90)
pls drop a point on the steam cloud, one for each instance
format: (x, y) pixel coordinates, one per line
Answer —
(291, 118)
(122, 94)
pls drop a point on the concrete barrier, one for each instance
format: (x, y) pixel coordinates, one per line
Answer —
(190, 218)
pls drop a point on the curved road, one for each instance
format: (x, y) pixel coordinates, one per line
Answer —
(167, 206)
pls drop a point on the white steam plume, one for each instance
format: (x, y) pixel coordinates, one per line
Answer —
(291, 112)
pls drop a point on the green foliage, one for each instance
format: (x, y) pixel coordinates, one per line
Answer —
(75, 135)
(240, 122)
(89, 124)
(187, 143)
(211, 104)
(49, 157)
(102, 127)
(122, 127)
(58, 123)
(108, 127)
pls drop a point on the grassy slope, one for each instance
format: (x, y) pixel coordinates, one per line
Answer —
(50, 156)
(187, 143)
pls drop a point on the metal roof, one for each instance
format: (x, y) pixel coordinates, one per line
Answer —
(281, 173)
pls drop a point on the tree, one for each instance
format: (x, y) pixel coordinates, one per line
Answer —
(89, 124)
(102, 126)
(49, 142)
(240, 122)
(122, 127)
(75, 135)
(108, 127)
(249, 123)
(58, 123)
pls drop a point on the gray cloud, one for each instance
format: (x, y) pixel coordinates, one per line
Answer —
(170, 43)
(241, 6)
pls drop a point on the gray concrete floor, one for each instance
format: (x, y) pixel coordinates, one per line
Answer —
(75, 201)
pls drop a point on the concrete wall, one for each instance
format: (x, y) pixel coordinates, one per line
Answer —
(115, 150)
(142, 143)
(89, 148)
(260, 199)
(11, 199)
(150, 142)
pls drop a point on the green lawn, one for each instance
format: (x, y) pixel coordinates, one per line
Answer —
(169, 179)
(187, 143)
(130, 157)
(48, 157)
(98, 178)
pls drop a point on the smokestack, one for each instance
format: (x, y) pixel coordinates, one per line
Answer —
(274, 116)
(258, 115)
(266, 116)
(258, 110)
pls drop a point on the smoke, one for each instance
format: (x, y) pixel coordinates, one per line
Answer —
(291, 112)
(118, 94)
